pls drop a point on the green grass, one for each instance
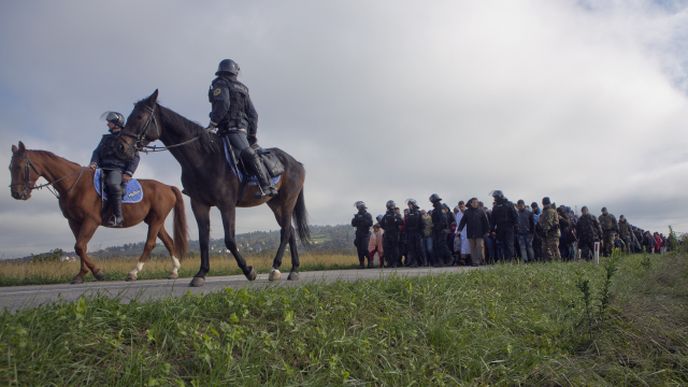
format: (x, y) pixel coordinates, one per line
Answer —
(508, 325)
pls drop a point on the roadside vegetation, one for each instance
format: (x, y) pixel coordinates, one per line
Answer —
(116, 269)
(624, 322)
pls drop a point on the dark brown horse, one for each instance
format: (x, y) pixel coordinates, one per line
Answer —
(209, 181)
(81, 205)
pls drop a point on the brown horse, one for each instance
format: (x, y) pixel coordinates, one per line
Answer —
(210, 182)
(81, 205)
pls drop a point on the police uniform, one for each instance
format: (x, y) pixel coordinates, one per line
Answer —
(113, 163)
(235, 117)
(362, 221)
(391, 223)
(414, 225)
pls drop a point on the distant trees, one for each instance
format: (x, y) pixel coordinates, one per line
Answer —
(51, 256)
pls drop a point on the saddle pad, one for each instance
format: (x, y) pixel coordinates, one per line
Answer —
(252, 180)
(133, 192)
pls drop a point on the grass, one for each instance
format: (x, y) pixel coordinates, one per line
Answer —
(509, 325)
(30, 273)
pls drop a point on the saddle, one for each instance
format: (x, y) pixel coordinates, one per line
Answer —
(269, 159)
(132, 192)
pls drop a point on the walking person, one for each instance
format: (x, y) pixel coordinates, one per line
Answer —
(474, 220)
(362, 221)
(549, 224)
(391, 222)
(526, 230)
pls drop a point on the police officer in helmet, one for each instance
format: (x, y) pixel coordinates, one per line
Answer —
(391, 222)
(362, 221)
(116, 166)
(236, 118)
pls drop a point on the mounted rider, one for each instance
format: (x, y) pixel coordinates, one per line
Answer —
(117, 168)
(236, 119)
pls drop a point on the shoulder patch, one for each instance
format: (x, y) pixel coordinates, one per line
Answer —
(217, 91)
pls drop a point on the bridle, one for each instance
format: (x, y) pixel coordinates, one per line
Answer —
(28, 167)
(141, 137)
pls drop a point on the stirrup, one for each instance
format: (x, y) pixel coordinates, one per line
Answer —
(115, 221)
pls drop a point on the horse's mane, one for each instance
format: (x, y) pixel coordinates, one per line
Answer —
(53, 156)
(179, 121)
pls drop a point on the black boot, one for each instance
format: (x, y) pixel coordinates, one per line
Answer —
(116, 220)
(258, 169)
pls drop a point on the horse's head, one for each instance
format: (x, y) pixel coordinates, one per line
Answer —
(24, 174)
(143, 125)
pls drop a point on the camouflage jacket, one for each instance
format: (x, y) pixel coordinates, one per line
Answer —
(549, 223)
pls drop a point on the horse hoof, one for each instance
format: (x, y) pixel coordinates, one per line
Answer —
(275, 275)
(132, 277)
(293, 276)
(77, 280)
(173, 276)
(251, 276)
(99, 275)
(197, 282)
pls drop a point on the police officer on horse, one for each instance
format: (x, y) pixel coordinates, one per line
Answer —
(117, 168)
(236, 118)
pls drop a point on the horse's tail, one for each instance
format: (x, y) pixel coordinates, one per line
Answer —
(301, 220)
(181, 232)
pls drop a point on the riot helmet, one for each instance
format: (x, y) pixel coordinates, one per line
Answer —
(434, 198)
(411, 203)
(360, 205)
(114, 118)
(227, 66)
(497, 194)
(390, 204)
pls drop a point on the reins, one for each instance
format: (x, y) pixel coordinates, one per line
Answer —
(49, 185)
(154, 148)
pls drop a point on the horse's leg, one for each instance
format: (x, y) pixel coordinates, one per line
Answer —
(284, 220)
(83, 232)
(293, 250)
(202, 214)
(154, 225)
(169, 245)
(228, 220)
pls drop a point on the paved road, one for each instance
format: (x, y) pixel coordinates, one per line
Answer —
(13, 298)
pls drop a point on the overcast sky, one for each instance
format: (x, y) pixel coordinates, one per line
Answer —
(583, 101)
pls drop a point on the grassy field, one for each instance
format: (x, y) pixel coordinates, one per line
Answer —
(29, 273)
(625, 323)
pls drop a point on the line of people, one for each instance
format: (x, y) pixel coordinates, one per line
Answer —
(471, 234)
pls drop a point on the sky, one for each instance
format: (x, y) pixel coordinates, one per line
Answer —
(582, 101)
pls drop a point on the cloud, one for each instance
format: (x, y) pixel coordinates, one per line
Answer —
(581, 101)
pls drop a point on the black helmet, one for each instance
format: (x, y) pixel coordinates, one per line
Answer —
(114, 118)
(497, 194)
(360, 205)
(379, 218)
(434, 198)
(412, 203)
(390, 204)
(227, 66)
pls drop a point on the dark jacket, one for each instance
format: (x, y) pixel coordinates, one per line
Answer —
(476, 222)
(107, 156)
(231, 105)
(526, 222)
(391, 223)
(363, 221)
(504, 216)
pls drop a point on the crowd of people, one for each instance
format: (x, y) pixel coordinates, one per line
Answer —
(471, 234)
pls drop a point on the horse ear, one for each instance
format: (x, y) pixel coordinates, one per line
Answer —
(21, 146)
(153, 97)
(14, 149)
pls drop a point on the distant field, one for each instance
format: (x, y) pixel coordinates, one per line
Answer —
(620, 323)
(117, 268)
